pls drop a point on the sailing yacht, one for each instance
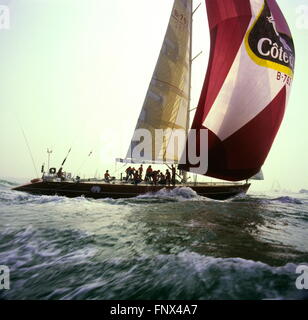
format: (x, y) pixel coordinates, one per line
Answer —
(241, 105)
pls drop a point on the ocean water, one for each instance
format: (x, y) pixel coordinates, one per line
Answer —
(165, 246)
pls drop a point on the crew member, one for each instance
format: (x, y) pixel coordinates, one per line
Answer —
(149, 173)
(128, 172)
(137, 178)
(168, 177)
(107, 176)
(60, 174)
(132, 172)
(173, 172)
(162, 178)
(155, 175)
(140, 170)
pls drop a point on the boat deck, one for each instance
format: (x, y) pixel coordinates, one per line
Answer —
(143, 183)
(117, 189)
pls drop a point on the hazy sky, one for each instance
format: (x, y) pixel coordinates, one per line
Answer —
(74, 73)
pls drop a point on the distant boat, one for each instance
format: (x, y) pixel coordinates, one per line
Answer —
(241, 106)
(303, 191)
(276, 187)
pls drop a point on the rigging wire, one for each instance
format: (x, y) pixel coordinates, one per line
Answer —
(117, 170)
(84, 162)
(29, 149)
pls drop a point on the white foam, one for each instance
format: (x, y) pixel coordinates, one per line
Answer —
(178, 194)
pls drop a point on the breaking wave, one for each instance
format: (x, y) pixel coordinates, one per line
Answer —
(7, 184)
(20, 198)
(189, 275)
(177, 194)
(263, 200)
(19, 249)
(287, 199)
(182, 276)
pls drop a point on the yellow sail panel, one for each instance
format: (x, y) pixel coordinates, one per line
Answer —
(167, 99)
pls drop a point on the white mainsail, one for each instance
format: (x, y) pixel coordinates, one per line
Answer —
(166, 105)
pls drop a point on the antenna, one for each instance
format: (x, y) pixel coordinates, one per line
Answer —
(49, 151)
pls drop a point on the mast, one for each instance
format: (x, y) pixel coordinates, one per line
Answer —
(190, 69)
(190, 79)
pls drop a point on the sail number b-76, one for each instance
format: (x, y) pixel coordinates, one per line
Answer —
(284, 77)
